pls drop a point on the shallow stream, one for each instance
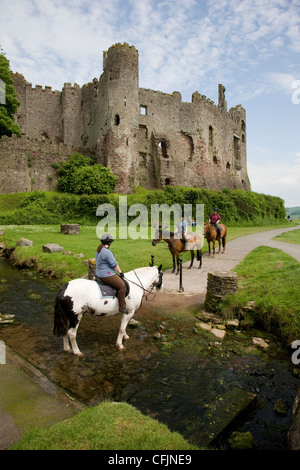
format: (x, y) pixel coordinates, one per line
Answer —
(181, 379)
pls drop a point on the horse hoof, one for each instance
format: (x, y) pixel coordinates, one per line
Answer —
(79, 354)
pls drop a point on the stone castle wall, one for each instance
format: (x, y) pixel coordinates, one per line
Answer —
(145, 137)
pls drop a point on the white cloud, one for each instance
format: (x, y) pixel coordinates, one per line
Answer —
(280, 179)
(282, 81)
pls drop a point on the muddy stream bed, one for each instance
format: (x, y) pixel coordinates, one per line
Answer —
(182, 378)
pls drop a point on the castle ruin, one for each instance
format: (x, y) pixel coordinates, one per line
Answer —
(147, 138)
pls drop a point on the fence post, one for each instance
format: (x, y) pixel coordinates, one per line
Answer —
(181, 289)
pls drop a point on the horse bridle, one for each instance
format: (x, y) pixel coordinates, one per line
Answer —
(141, 285)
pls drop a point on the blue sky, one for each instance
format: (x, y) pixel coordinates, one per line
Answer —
(252, 47)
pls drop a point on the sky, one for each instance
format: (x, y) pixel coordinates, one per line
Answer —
(252, 47)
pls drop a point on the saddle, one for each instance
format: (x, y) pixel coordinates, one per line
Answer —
(109, 291)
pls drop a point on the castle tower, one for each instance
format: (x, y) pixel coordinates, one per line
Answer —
(118, 146)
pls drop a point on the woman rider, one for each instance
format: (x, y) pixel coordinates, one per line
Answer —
(107, 267)
(215, 219)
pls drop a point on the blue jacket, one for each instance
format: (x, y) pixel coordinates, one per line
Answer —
(105, 263)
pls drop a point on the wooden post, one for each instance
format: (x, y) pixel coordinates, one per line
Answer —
(181, 289)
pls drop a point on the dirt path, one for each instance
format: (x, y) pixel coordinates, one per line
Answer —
(195, 280)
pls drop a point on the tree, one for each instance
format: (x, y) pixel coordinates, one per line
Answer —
(8, 100)
(81, 175)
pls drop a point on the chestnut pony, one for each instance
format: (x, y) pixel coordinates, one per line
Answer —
(211, 235)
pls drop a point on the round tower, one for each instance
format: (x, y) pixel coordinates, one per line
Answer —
(120, 111)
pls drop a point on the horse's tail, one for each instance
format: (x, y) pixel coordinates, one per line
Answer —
(61, 320)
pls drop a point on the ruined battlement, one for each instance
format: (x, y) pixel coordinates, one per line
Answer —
(146, 137)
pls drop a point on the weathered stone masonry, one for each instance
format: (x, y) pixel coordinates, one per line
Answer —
(146, 137)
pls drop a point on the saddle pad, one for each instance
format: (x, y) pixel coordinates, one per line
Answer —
(106, 290)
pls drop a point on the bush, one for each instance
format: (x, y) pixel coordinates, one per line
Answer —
(93, 180)
(237, 208)
(81, 175)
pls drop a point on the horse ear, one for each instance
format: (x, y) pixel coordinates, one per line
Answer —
(159, 268)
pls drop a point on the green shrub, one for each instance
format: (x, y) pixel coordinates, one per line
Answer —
(237, 208)
(81, 175)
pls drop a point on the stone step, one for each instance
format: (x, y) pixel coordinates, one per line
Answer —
(219, 415)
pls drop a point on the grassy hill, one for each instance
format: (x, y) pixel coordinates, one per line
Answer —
(293, 212)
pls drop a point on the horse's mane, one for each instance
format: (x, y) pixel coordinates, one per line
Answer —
(166, 233)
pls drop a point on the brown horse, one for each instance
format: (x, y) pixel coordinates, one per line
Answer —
(212, 235)
(177, 246)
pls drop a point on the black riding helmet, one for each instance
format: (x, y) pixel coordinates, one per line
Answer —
(106, 238)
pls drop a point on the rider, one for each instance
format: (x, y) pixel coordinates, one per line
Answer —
(182, 229)
(106, 268)
(214, 220)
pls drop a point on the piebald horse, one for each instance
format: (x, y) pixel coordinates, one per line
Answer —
(177, 246)
(211, 235)
(81, 296)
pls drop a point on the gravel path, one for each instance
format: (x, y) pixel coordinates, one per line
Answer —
(194, 280)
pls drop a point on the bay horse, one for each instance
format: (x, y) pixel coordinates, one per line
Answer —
(81, 296)
(211, 235)
(177, 246)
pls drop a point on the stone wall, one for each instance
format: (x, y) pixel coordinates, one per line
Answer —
(27, 164)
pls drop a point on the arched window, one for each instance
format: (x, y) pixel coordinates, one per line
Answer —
(117, 119)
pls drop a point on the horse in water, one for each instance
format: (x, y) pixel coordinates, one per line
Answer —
(212, 235)
(81, 296)
(177, 246)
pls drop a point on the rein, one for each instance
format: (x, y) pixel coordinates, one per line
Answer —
(141, 286)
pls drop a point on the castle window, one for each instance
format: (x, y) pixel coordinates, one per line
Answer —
(162, 149)
(210, 136)
(143, 131)
(243, 127)
(228, 166)
(115, 74)
(215, 159)
(243, 138)
(167, 181)
(117, 119)
(143, 110)
(143, 159)
(236, 147)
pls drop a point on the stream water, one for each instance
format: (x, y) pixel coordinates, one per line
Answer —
(180, 380)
